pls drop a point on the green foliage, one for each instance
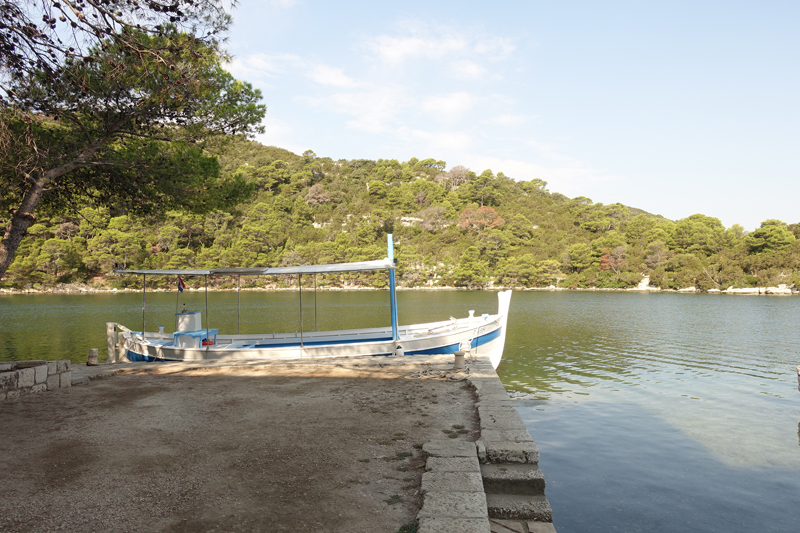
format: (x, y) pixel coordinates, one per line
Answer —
(773, 235)
(310, 209)
(471, 271)
(122, 119)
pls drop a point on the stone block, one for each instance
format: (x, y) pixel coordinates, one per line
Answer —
(513, 479)
(453, 525)
(8, 381)
(488, 385)
(28, 364)
(53, 382)
(500, 419)
(26, 379)
(489, 392)
(500, 398)
(508, 435)
(452, 481)
(454, 505)
(452, 464)
(63, 366)
(511, 452)
(449, 448)
(5, 367)
(52, 368)
(515, 507)
(40, 373)
(498, 407)
(480, 447)
(39, 387)
(65, 379)
(487, 373)
(506, 526)
(541, 527)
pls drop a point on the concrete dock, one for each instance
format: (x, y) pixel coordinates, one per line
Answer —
(346, 445)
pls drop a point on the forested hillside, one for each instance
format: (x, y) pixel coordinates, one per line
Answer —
(452, 228)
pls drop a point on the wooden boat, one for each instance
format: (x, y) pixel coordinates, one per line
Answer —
(484, 334)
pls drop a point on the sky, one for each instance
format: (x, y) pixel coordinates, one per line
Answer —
(676, 107)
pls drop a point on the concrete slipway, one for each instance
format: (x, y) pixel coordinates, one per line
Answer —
(344, 445)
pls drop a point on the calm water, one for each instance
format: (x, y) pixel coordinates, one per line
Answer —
(653, 412)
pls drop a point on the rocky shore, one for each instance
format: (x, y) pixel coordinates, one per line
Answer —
(77, 288)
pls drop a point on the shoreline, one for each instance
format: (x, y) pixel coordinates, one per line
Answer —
(80, 289)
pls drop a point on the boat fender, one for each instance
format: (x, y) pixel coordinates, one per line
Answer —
(398, 350)
(207, 342)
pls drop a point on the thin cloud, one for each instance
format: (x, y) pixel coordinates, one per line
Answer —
(419, 40)
(449, 105)
(494, 47)
(435, 141)
(279, 133)
(260, 66)
(563, 174)
(371, 111)
(466, 69)
(326, 75)
(396, 49)
(508, 120)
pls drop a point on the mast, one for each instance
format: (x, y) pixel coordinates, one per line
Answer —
(208, 341)
(300, 286)
(144, 299)
(392, 289)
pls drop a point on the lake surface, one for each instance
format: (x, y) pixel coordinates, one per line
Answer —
(653, 412)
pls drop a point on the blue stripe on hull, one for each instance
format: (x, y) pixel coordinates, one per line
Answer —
(483, 339)
(134, 357)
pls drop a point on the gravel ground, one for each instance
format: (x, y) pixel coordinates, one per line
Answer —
(262, 448)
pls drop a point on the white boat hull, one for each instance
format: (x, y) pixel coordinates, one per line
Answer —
(483, 335)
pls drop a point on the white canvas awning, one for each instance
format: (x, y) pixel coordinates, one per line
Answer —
(383, 264)
(172, 272)
(360, 266)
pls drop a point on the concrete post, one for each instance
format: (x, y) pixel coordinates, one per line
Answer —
(458, 364)
(111, 341)
(92, 358)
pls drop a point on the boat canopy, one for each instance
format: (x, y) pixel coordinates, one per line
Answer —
(382, 264)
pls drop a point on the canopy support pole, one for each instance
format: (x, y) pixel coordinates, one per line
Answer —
(144, 299)
(208, 341)
(315, 302)
(238, 301)
(177, 302)
(300, 285)
(392, 290)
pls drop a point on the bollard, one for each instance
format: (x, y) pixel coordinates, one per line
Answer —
(458, 364)
(92, 357)
(111, 341)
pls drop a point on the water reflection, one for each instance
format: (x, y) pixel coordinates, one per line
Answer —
(654, 412)
(617, 467)
(713, 368)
